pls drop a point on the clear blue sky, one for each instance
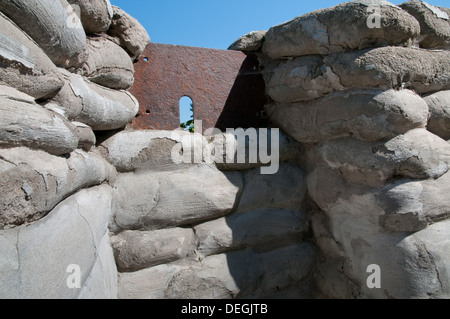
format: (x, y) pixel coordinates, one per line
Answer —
(217, 24)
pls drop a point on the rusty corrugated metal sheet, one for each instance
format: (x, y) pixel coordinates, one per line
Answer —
(226, 87)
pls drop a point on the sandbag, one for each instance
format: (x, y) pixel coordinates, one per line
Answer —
(25, 123)
(348, 26)
(434, 24)
(250, 42)
(417, 154)
(99, 107)
(34, 182)
(132, 35)
(108, 64)
(423, 70)
(23, 64)
(53, 24)
(368, 115)
(439, 106)
(95, 15)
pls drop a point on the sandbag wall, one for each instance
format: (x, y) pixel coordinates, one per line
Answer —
(65, 71)
(214, 231)
(364, 86)
(83, 197)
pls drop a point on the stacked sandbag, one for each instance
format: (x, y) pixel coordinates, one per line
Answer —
(24, 65)
(128, 32)
(37, 261)
(51, 26)
(46, 107)
(211, 233)
(96, 16)
(62, 81)
(434, 24)
(360, 97)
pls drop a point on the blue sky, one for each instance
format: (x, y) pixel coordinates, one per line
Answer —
(217, 24)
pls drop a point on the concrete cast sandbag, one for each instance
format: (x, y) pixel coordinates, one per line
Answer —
(23, 63)
(53, 24)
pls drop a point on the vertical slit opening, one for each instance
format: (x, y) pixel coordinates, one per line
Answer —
(187, 114)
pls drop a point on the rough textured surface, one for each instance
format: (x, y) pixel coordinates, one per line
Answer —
(34, 182)
(439, 106)
(312, 77)
(179, 198)
(226, 87)
(131, 34)
(23, 64)
(402, 258)
(150, 150)
(416, 154)
(99, 107)
(107, 64)
(263, 229)
(369, 115)
(35, 259)
(102, 281)
(250, 42)
(363, 102)
(301, 79)
(25, 123)
(135, 250)
(362, 170)
(224, 276)
(434, 24)
(286, 189)
(257, 144)
(96, 16)
(86, 136)
(48, 22)
(341, 28)
(393, 67)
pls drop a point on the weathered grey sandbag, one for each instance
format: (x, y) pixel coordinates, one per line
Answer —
(417, 154)
(439, 105)
(348, 26)
(108, 64)
(224, 276)
(102, 281)
(434, 24)
(86, 136)
(25, 123)
(53, 24)
(368, 115)
(413, 265)
(35, 258)
(151, 150)
(250, 42)
(173, 199)
(65, 102)
(23, 64)
(136, 250)
(413, 205)
(424, 71)
(97, 106)
(96, 15)
(132, 35)
(34, 182)
(241, 150)
(285, 189)
(301, 79)
(262, 229)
